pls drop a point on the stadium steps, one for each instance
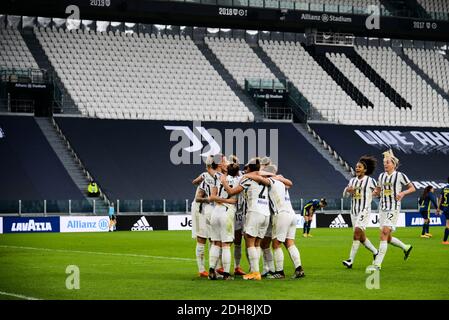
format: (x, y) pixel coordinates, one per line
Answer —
(280, 75)
(229, 79)
(338, 77)
(422, 74)
(325, 150)
(69, 160)
(33, 44)
(378, 81)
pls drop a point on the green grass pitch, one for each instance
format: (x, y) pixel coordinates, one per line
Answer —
(161, 265)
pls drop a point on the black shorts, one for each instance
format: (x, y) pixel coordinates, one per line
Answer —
(425, 215)
(113, 217)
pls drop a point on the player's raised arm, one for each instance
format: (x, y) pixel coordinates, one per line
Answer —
(257, 178)
(198, 180)
(287, 182)
(229, 190)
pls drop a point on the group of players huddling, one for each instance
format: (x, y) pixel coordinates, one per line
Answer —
(255, 203)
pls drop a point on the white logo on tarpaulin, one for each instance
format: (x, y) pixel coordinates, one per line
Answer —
(2, 133)
(325, 18)
(338, 222)
(190, 150)
(31, 225)
(420, 142)
(434, 221)
(142, 225)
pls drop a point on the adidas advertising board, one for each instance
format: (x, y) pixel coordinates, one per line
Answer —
(414, 219)
(1, 225)
(38, 224)
(84, 224)
(180, 222)
(141, 223)
(333, 221)
(300, 222)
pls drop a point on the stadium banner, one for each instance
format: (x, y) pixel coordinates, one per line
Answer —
(374, 220)
(300, 222)
(333, 220)
(84, 224)
(30, 224)
(1, 225)
(180, 222)
(141, 223)
(223, 14)
(414, 219)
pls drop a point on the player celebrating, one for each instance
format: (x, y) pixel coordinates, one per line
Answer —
(390, 186)
(258, 213)
(201, 210)
(222, 221)
(308, 211)
(284, 224)
(360, 189)
(238, 222)
(444, 207)
(427, 197)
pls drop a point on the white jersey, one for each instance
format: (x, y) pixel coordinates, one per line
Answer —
(207, 184)
(256, 197)
(279, 198)
(390, 186)
(232, 182)
(363, 194)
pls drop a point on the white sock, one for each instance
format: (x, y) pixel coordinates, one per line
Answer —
(294, 255)
(279, 258)
(226, 258)
(264, 264)
(254, 258)
(397, 243)
(383, 246)
(369, 246)
(214, 254)
(268, 262)
(237, 255)
(219, 262)
(354, 248)
(200, 256)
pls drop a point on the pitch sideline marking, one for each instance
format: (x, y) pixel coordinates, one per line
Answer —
(101, 253)
(18, 296)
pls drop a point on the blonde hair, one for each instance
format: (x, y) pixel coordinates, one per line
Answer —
(389, 155)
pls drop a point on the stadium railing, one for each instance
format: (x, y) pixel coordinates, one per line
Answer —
(163, 206)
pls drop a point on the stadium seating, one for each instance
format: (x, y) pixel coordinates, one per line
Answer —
(246, 66)
(30, 169)
(123, 76)
(435, 5)
(14, 52)
(135, 158)
(313, 82)
(433, 64)
(428, 107)
(383, 107)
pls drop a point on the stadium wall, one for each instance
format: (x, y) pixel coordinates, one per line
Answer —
(180, 222)
(194, 14)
